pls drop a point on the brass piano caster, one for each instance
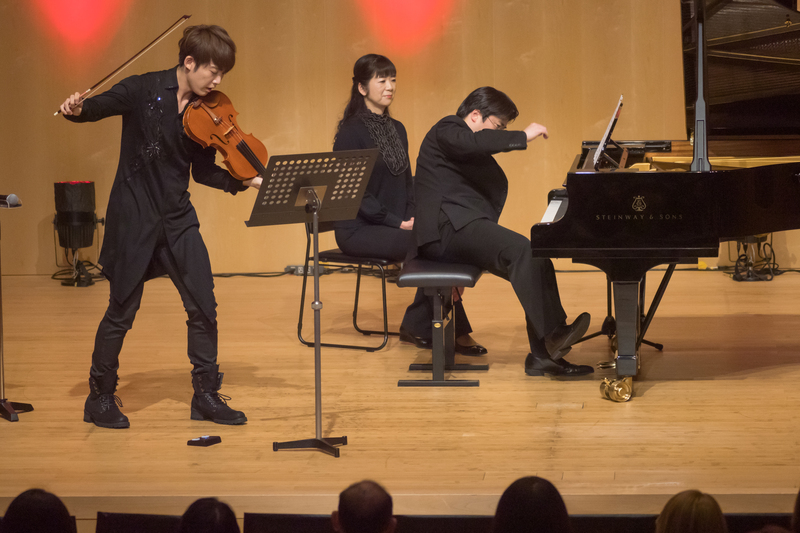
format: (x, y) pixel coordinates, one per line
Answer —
(617, 390)
(606, 365)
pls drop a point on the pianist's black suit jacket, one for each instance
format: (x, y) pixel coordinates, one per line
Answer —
(457, 175)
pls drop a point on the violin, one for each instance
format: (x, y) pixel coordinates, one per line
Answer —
(211, 121)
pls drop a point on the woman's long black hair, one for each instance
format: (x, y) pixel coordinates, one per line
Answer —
(366, 68)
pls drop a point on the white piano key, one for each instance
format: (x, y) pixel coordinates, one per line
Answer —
(552, 210)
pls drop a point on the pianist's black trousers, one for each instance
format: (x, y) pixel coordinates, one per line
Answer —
(506, 254)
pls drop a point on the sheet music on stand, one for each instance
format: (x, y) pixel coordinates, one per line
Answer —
(305, 188)
(338, 178)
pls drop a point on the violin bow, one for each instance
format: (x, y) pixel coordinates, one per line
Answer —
(122, 67)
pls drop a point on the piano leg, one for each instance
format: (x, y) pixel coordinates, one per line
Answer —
(626, 303)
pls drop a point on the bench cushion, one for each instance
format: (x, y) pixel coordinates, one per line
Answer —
(424, 273)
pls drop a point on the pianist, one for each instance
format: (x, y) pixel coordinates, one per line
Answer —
(460, 191)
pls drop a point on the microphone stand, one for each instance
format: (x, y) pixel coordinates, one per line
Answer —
(8, 409)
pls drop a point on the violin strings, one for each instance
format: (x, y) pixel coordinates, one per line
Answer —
(243, 147)
(251, 157)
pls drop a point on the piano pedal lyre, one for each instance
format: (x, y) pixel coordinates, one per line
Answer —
(613, 343)
(617, 390)
(606, 365)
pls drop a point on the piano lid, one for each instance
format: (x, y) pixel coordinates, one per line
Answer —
(753, 67)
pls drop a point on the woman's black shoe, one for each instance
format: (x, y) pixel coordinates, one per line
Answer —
(472, 350)
(427, 344)
(539, 366)
(419, 342)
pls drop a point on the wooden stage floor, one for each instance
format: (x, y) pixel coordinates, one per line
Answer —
(717, 410)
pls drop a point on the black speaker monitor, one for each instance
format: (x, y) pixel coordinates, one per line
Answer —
(75, 217)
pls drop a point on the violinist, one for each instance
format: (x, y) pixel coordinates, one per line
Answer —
(151, 226)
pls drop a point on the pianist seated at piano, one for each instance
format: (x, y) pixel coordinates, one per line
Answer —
(460, 191)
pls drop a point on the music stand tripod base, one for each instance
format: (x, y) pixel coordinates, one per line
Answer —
(9, 410)
(324, 445)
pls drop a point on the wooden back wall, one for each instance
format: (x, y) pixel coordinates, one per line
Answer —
(564, 63)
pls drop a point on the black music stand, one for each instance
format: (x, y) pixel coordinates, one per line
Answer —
(294, 189)
(8, 409)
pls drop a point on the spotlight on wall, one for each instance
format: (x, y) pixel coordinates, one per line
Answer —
(75, 223)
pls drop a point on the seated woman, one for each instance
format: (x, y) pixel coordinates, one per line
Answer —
(385, 219)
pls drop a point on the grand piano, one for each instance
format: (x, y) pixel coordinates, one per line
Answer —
(628, 207)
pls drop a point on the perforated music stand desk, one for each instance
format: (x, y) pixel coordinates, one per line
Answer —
(322, 187)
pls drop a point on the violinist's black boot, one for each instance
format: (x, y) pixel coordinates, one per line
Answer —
(102, 405)
(208, 403)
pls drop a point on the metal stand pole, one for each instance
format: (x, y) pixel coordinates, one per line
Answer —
(327, 445)
(8, 410)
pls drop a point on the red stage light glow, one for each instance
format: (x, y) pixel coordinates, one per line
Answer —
(405, 27)
(82, 25)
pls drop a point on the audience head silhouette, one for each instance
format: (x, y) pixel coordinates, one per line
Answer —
(691, 511)
(796, 515)
(531, 504)
(208, 515)
(37, 511)
(364, 507)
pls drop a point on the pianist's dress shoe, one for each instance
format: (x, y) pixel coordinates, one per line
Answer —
(419, 342)
(540, 366)
(560, 340)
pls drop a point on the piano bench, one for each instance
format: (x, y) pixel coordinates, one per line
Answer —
(438, 280)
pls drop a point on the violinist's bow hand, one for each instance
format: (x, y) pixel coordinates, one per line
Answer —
(72, 105)
(253, 182)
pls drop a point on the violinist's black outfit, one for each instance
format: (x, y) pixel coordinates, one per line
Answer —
(461, 191)
(151, 226)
